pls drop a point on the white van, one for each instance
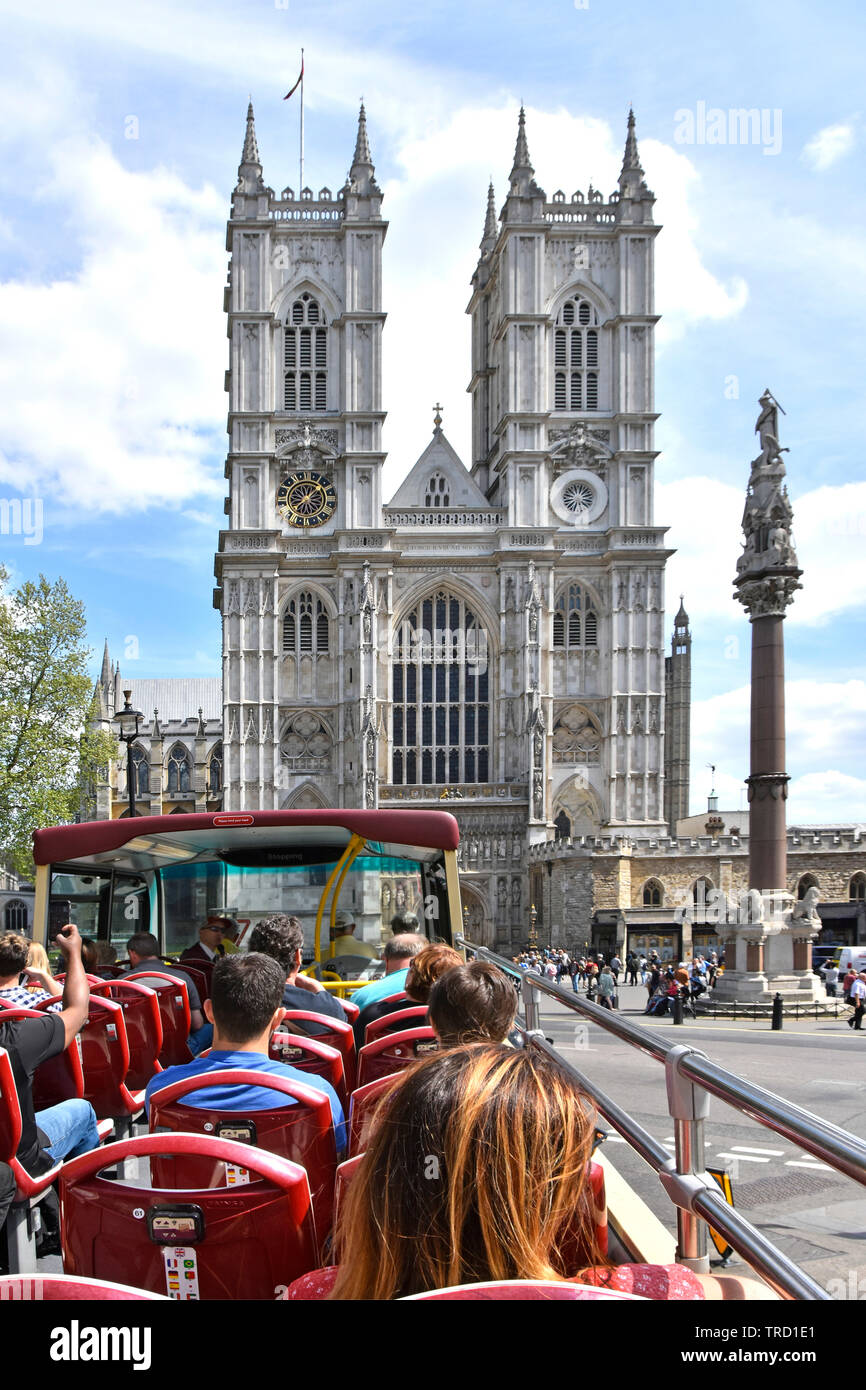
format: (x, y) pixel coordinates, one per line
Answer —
(852, 955)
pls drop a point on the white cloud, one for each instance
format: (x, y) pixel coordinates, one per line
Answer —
(826, 731)
(705, 519)
(112, 377)
(829, 145)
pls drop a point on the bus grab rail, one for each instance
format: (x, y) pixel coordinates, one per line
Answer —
(691, 1078)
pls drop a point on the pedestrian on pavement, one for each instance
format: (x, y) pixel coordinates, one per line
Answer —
(858, 999)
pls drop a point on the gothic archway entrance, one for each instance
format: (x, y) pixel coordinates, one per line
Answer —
(477, 919)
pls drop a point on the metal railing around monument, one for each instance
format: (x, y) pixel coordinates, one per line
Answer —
(691, 1078)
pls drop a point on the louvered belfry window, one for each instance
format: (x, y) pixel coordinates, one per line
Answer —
(306, 626)
(575, 622)
(440, 695)
(576, 357)
(305, 361)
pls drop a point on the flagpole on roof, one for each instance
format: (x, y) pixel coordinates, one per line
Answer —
(300, 191)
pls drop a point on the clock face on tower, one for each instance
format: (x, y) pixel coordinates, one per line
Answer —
(306, 498)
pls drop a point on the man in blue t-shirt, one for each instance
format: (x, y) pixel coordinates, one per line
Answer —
(397, 956)
(245, 1008)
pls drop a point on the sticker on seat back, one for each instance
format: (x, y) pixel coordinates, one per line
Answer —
(181, 1273)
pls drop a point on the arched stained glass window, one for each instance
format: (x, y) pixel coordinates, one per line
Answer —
(179, 770)
(140, 771)
(440, 691)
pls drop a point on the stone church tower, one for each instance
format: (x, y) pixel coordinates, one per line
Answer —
(491, 638)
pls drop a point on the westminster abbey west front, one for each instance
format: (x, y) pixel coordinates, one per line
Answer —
(489, 640)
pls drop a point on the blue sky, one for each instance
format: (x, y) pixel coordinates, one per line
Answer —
(123, 127)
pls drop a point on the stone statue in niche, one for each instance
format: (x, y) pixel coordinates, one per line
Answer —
(638, 592)
(622, 593)
(538, 794)
(502, 893)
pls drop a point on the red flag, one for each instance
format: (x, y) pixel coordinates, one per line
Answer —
(297, 84)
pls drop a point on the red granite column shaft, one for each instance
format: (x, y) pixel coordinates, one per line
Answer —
(768, 781)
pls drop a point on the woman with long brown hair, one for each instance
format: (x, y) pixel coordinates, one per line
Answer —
(478, 1170)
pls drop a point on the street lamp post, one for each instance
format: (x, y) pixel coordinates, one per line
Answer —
(533, 935)
(127, 722)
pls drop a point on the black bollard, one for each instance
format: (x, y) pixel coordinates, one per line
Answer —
(678, 1009)
(776, 1025)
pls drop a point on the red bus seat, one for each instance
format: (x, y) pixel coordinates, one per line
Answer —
(173, 999)
(308, 1054)
(239, 1242)
(20, 1238)
(345, 1173)
(143, 1023)
(200, 973)
(104, 1049)
(352, 1010)
(302, 1133)
(394, 1052)
(413, 1016)
(330, 1031)
(362, 1103)
(59, 1078)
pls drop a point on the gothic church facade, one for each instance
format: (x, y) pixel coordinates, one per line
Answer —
(490, 639)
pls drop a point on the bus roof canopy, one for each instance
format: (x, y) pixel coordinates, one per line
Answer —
(158, 840)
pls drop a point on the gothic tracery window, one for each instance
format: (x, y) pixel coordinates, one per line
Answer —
(15, 915)
(440, 691)
(215, 769)
(305, 356)
(140, 771)
(653, 893)
(857, 888)
(306, 626)
(575, 621)
(576, 356)
(179, 770)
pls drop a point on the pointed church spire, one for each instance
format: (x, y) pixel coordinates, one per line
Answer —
(522, 162)
(250, 181)
(491, 226)
(362, 144)
(105, 673)
(631, 159)
(251, 147)
(522, 183)
(362, 176)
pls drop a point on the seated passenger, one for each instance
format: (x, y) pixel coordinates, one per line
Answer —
(24, 982)
(143, 952)
(478, 1170)
(398, 955)
(425, 969)
(245, 1008)
(210, 945)
(69, 1128)
(474, 1003)
(282, 938)
(346, 943)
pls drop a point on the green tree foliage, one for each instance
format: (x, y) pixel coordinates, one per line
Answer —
(48, 753)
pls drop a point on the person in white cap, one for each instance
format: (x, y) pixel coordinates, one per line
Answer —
(346, 943)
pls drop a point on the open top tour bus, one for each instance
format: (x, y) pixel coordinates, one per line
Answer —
(167, 874)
